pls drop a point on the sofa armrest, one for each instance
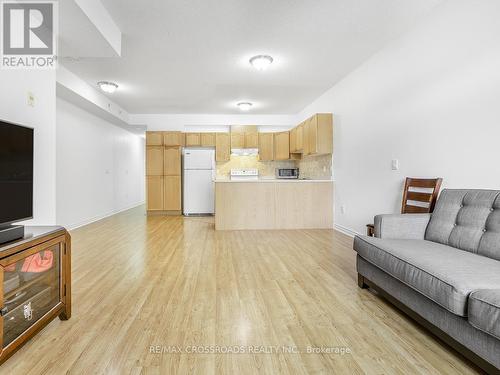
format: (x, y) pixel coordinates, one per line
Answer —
(407, 226)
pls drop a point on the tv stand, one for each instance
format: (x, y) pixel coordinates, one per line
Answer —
(11, 232)
(35, 285)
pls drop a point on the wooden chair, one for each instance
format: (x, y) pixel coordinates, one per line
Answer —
(422, 190)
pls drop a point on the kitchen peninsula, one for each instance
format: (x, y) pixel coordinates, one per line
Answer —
(273, 204)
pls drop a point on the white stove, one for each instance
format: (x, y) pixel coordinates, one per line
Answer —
(250, 174)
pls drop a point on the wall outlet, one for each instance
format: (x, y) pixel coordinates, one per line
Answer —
(395, 164)
(342, 209)
(31, 99)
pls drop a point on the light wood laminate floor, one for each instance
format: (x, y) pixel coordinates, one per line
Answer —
(170, 281)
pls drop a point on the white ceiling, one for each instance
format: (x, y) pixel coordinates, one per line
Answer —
(191, 56)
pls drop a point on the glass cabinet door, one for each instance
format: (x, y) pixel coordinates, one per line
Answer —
(31, 288)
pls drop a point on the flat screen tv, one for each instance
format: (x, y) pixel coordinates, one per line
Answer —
(16, 173)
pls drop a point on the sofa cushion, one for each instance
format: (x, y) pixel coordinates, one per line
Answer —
(468, 220)
(442, 273)
(484, 311)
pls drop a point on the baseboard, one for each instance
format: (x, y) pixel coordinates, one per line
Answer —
(347, 231)
(100, 217)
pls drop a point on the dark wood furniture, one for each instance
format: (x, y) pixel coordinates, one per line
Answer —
(422, 190)
(35, 273)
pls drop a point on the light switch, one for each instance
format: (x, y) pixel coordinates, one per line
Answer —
(31, 99)
(395, 164)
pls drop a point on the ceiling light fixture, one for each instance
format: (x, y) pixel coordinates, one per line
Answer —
(261, 62)
(244, 106)
(109, 87)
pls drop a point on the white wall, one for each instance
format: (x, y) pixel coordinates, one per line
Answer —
(430, 99)
(100, 167)
(14, 88)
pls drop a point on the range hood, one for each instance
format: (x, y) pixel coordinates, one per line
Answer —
(244, 151)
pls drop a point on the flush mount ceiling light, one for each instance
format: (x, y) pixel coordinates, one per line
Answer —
(261, 62)
(244, 106)
(109, 87)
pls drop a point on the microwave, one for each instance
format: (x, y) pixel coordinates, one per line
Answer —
(287, 172)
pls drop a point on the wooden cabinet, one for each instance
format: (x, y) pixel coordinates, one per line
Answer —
(173, 138)
(222, 147)
(320, 134)
(172, 161)
(266, 146)
(252, 140)
(193, 139)
(237, 140)
(154, 138)
(154, 160)
(293, 140)
(35, 280)
(154, 197)
(172, 193)
(207, 139)
(299, 136)
(282, 146)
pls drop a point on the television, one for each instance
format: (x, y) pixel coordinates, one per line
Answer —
(16, 174)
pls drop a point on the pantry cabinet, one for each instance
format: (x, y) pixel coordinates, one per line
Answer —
(282, 146)
(172, 193)
(154, 138)
(172, 161)
(173, 138)
(222, 147)
(154, 198)
(266, 146)
(154, 160)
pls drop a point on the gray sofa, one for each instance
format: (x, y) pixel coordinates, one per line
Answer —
(443, 269)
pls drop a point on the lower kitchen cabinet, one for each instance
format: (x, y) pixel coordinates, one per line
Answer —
(154, 193)
(172, 193)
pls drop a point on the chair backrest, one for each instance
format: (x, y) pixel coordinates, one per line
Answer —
(422, 190)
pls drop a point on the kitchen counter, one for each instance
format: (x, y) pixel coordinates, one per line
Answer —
(273, 204)
(279, 180)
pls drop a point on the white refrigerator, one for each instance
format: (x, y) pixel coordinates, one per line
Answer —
(198, 174)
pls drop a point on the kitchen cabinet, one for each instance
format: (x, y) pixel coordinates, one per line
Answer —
(192, 139)
(320, 134)
(293, 140)
(172, 193)
(282, 146)
(237, 140)
(172, 161)
(252, 140)
(154, 160)
(173, 138)
(222, 147)
(154, 138)
(299, 137)
(154, 186)
(266, 146)
(207, 139)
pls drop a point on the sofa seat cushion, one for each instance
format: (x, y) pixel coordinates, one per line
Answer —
(484, 311)
(442, 273)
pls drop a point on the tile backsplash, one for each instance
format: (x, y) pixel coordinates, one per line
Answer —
(313, 167)
(266, 168)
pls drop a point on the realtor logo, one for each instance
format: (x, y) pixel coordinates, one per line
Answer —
(28, 34)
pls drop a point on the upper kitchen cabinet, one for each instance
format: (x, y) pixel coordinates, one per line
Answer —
(293, 140)
(207, 139)
(266, 146)
(252, 140)
(222, 147)
(193, 139)
(320, 134)
(299, 138)
(237, 140)
(154, 138)
(282, 146)
(173, 138)
(154, 160)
